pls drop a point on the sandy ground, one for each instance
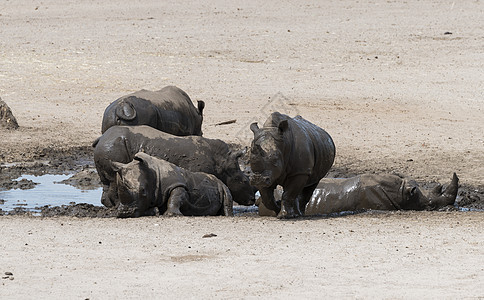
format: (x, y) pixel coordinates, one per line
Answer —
(396, 93)
(400, 255)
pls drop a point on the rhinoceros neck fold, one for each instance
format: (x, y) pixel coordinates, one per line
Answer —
(168, 178)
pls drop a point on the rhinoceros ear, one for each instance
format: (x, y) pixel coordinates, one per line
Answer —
(283, 125)
(117, 166)
(410, 191)
(238, 154)
(143, 158)
(254, 127)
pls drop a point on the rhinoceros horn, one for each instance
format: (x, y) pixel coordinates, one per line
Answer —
(126, 111)
(254, 127)
(447, 197)
(451, 190)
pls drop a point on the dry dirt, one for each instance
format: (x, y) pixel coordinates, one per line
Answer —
(398, 85)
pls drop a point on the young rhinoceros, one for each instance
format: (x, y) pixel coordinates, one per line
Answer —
(293, 153)
(148, 182)
(378, 192)
(170, 110)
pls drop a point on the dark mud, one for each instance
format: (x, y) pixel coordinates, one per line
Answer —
(56, 162)
(78, 161)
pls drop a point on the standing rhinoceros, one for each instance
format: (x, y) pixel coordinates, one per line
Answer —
(194, 153)
(169, 110)
(378, 192)
(148, 182)
(293, 153)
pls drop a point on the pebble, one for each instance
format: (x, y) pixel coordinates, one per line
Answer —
(209, 235)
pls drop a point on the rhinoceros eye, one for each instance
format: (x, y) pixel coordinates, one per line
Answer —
(142, 192)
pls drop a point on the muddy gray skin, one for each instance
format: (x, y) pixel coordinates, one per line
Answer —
(292, 153)
(378, 192)
(170, 110)
(194, 153)
(147, 183)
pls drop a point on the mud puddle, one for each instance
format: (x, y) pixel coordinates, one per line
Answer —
(47, 190)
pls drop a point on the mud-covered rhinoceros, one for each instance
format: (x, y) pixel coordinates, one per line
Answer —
(378, 192)
(147, 183)
(292, 153)
(170, 110)
(194, 153)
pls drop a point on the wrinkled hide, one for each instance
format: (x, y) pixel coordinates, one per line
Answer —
(292, 153)
(378, 192)
(194, 153)
(147, 183)
(169, 110)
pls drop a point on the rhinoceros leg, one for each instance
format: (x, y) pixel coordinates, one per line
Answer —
(109, 197)
(177, 197)
(268, 202)
(289, 204)
(227, 202)
(305, 197)
(105, 198)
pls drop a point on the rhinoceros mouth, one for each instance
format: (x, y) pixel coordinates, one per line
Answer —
(261, 179)
(126, 211)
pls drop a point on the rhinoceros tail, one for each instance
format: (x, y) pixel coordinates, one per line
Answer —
(227, 202)
(125, 111)
(96, 141)
(201, 106)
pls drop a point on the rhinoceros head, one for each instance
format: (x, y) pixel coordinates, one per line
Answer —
(431, 199)
(237, 182)
(136, 184)
(266, 156)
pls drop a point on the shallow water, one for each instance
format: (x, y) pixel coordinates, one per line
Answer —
(48, 191)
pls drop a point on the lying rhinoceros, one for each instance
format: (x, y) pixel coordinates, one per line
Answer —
(194, 153)
(378, 192)
(293, 153)
(169, 110)
(148, 182)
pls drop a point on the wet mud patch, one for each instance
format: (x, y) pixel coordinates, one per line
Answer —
(81, 210)
(470, 198)
(77, 169)
(87, 179)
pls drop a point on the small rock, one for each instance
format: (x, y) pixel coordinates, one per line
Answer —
(209, 235)
(447, 32)
(7, 119)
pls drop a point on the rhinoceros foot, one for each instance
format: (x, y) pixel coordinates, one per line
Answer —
(288, 213)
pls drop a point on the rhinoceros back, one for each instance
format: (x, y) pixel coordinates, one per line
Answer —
(313, 140)
(178, 114)
(363, 192)
(169, 109)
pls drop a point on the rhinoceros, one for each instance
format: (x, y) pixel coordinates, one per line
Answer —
(292, 153)
(378, 192)
(147, 183)
(170, 110)
(194, 153)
